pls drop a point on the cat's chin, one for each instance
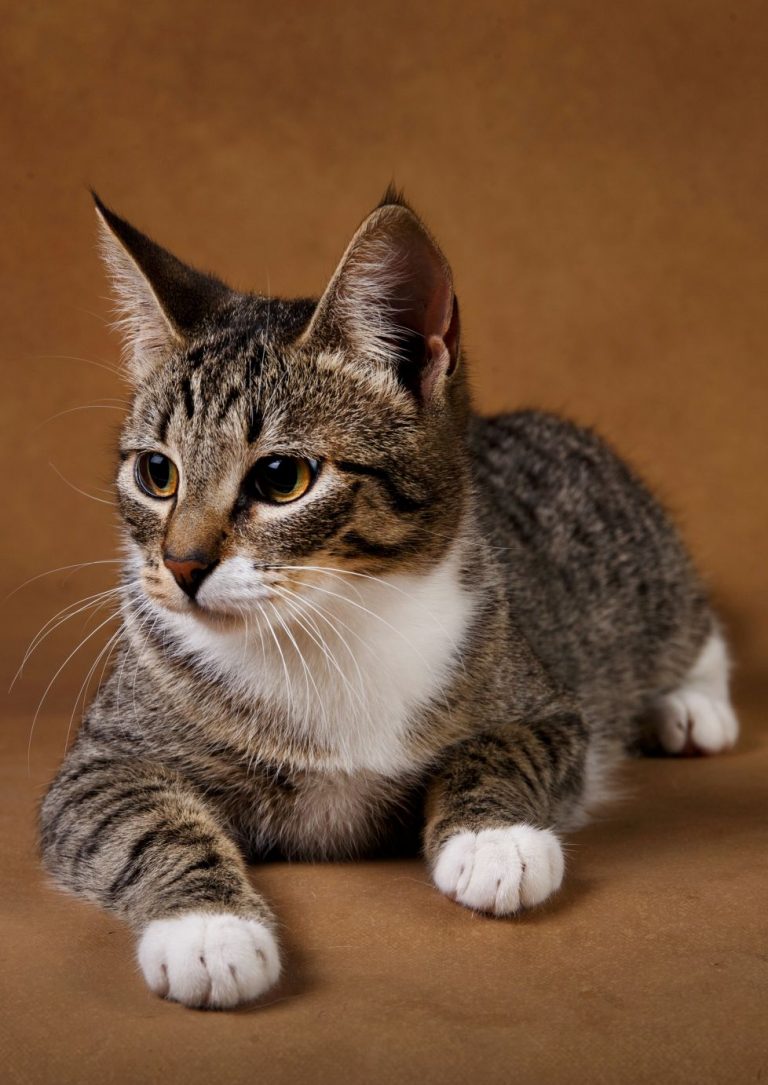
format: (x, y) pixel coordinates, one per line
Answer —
(214, 617)
(222, 620)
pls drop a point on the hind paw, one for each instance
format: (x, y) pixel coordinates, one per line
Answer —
(692, 722)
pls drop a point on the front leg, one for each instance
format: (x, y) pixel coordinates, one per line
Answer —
(491, 808)
(144, 845)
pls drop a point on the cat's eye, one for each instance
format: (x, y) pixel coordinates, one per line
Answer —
(281, 479)
(156, 475)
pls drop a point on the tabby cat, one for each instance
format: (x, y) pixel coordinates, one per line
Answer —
(355, 614)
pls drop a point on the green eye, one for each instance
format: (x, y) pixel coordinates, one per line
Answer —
(281, 479)
(156, 475)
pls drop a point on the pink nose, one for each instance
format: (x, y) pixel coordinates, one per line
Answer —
(189, 572)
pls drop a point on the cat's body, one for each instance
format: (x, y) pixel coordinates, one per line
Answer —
(452, 632)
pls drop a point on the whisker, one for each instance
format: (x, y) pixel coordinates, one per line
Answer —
(261, 638)
(83, 691)
(337, 573)
(340, 573)
(307, 673)
(144, 614)
(255, 753)
(344, 678)
(76, 607)
(288, 687)
(244, 654)
(139, 658)
(53, 624)
(322, 614)
(122, 636)
(87, 361)
(373, 614)
(320, 643)
(452, 538)
(330, 658)
(393, 628)
(337, 621)
(56, 675)
(83, 407)
(61, 569)
(77, 488)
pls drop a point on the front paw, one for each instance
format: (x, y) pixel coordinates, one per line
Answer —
(214, 961)
(500, 870)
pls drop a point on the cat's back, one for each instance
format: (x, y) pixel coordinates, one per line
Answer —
(558, 485)
(597, 576)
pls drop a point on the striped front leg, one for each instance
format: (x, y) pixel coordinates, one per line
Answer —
(491, 808)
(143, 844)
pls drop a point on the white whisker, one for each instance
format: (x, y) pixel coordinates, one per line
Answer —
(139, 658)
(87, 361)
(306, 603)
(356, 696)
(341, 573)
(144, 614)
(63, 568)
(57, 621)
(319, 643)
(56, 675)
(77, 489)
(288, 687)
(373, 614)
(307, 672)
(83, 691)
(83, 407)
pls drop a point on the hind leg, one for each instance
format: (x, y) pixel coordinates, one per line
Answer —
(697, 717)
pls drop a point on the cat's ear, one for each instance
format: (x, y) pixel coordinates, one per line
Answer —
(391, 300)
(161, 302)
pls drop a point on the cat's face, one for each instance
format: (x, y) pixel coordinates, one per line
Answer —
(273, 446)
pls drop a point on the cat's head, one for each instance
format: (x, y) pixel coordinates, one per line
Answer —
(269, 440)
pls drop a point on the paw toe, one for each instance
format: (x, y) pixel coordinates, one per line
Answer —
(500, 870)
(692, 721)
(214, 961)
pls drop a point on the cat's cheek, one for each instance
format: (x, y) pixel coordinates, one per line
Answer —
(160, 588)
(210, 961)
(500, 871)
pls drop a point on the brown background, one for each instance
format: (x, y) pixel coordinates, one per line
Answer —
(596, 173)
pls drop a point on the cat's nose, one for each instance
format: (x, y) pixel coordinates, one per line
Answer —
(189, 572)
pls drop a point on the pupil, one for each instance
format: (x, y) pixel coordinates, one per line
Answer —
(159, 470)
(282, 475)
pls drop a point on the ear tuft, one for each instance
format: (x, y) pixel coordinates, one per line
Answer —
(160, 301)
(393, 196)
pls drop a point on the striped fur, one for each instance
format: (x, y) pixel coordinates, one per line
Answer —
(445, 639)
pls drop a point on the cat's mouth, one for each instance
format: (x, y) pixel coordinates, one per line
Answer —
(223, 617)
(231, 593)
(239, 594)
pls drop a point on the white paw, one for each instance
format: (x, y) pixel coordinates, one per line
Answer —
(212, 961)
(500, 870)
(692, 721)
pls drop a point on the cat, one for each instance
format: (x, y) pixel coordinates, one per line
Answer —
(356, 614)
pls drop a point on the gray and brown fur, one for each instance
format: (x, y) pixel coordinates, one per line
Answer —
(586, 606)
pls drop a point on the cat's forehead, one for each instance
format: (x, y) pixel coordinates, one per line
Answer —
(226, 394)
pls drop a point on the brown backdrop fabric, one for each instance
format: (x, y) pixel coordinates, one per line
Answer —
(596, 173)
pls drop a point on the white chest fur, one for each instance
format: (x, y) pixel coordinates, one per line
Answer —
(348, 663)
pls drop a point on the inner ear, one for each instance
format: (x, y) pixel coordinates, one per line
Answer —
(162, 302)
(391, 299)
